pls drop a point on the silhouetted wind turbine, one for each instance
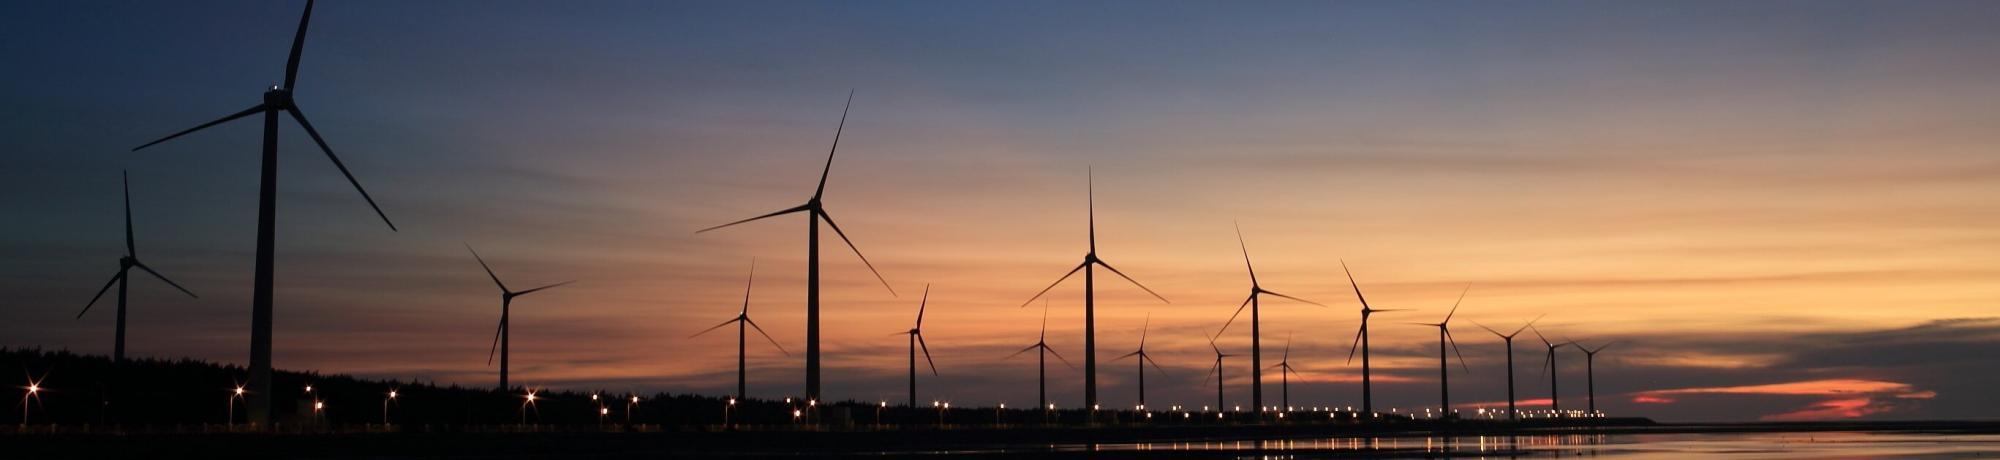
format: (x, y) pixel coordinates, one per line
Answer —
(1256, 335)
(1285, 372)
(276, 99)
(1090, 297)
(1512, 414)
(1216, 371)
(815, 212)
(1143, 360)
(125, 265)
(1444, 362)
(1041, 347)
(917, 340)
(1361, 343)
(743, 318)
(1549, 364)
(501, 334)
(1590, 371)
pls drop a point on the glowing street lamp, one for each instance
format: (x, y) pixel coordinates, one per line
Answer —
(628, 409)
(385, 407)
(530, 402)
(34, 391)
(725, 412)
(233, 396)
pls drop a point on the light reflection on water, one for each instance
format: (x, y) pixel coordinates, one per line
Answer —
(1623, 446)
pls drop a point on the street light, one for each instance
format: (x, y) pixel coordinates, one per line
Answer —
(385, 408)
(34, 391)
(628, 409)
(725, 412)
(238, 394)
(525, 405)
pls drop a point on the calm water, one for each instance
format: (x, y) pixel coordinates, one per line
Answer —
(1842, 445)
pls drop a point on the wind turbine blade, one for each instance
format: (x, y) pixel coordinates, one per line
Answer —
(1044, 336)
(1288, 348)
(1122, 357)
(131, 250)
(301, 117)
(1604, 346)
(1545, 362)
(767, 336)
(1295, 298)
(1357, 343)
(1530, 323)
(496, 340)
(752, 278)
(836, 145)
(1454, 349)
(1211, 373)
(926, 302)
(298, 47)
(1232, 316)
(1538, 335)
(781, 212)
(1059, 358)
(1156, 364)
(1072, 272)
(718, 326)
(489, 270)
(1090, 203)
(927, 353)
(1357, 286)
(522, 293)
(246, 112)
(857, 251)
(1454, 305)
(1246, 254)
(155, 274)
(100, 293)
(1107, 266)
(1142, 330)
(1488, 329)
(1024, 350)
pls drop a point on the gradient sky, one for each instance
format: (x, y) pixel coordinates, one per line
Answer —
(1781, 210)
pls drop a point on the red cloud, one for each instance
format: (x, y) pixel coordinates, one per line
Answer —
(1845, 398)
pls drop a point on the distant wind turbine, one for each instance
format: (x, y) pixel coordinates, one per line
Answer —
(1090, 259)
(1361, 343)
(276, 99)
(1216, 371)
(1444, 362)
(1256, 335)
(1144, 359)
(125, 265)
(1590, 370)
(1549, 364)
(1043, 351)
(1285, 371)
(742, 319)
(917, 340)
(501, 335)
(815, 212)
(1512, 414)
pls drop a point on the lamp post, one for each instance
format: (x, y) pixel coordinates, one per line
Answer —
(878, 413)
(34, 391)
(233, 396)
(524, 406)
(385, 408)
(725, 413)
(996, 413)
(628, 409)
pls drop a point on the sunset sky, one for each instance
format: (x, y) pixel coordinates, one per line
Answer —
(1779, 210)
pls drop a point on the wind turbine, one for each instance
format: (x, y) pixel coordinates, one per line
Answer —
(1143, 360)
(743, 318)
(1216, 371)
(1361, 343)
(1549, 364)
(1590, 371)
(815, 212)
(1444, 363)
(1090, 297)
(917, 340)
(1509, 339)
(276, 99)
(501, 335)
(1285, 372)
(125, 265)
(1256, 335)
(1043, 351)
